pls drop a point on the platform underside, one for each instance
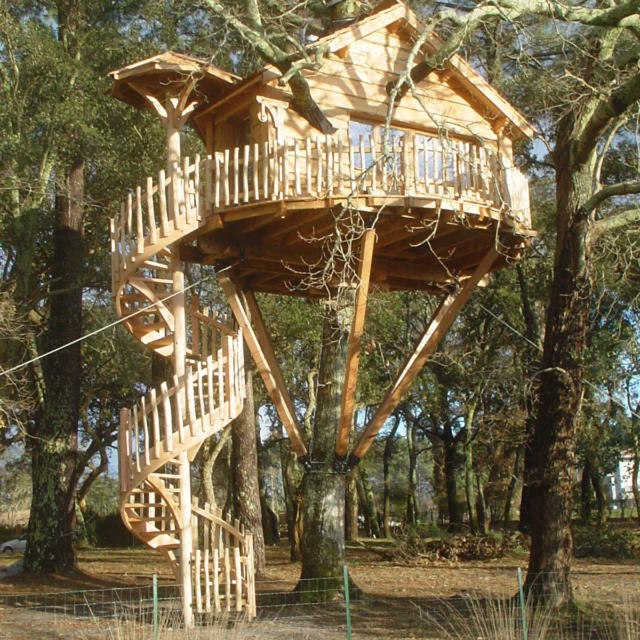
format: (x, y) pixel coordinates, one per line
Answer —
(426, 243)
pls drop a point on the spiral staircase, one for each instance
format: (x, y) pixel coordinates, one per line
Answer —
(212, 557)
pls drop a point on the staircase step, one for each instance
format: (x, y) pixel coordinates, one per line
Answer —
(149, 280)
(156, 265)
(160, 342)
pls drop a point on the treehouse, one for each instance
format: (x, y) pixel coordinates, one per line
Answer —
(433, 202)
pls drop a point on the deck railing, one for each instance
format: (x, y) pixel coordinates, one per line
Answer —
(322, 167)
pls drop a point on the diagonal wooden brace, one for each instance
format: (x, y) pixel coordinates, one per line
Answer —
(355, 340)
(263, 355)
(438, 326)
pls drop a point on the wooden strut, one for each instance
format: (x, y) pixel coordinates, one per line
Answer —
(438, 326)
(355, 341)
(263, 354)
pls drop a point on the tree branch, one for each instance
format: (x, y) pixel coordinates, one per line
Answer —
(622, 219)
(608, 191)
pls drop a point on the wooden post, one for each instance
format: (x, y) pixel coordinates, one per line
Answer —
(355, 340)
(262, 352)
(179, 360)
(440, 323)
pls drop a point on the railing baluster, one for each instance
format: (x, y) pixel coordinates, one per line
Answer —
(216, 168)
(203, 413)
(329, 151)
(320, 163)
(191, 401)
(236, 175)
(296, 167)
(130, 215)
(123, 237)
(208, 186)
(276, 170)
(238, 568)
(145, 429)
(245, 174)
(340, 162)
(352, 178)
(224, 413)
(265, 170)
(115, 255)
(162, 199)
(207, 582)
(308, 165)
(374, 165)
(155, 418)
(177, 400)
(153, 231)
(210, 385)
(198, 586)
(136, 437)
(216, 579)
(196, 187)
(256, 171)
(227, 580)
(227, 198)
(285, 167)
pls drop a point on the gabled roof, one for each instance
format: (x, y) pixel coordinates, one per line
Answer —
(163, 73)
(393, 11)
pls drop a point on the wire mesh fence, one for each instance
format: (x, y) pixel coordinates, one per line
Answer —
(317, 610)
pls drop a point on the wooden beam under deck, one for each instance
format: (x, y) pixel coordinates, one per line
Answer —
(442, 320)
(263, 354)
(355, 341)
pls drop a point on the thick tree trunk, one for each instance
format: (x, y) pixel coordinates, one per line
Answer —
(351, 508)
(634, 474)
(601, 503)
(244, 473)
(323, 490)
(290, 486)
(560, 388)
(451, 484)
(55, 440)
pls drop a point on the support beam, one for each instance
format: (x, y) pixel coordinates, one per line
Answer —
(263, 355)
(355, 340)
(440, 323)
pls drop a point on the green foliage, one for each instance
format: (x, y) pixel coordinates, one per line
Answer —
(614, 543)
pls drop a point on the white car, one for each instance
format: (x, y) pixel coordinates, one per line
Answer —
(13, 546)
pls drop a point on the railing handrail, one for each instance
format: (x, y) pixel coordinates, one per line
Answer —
(319, 167)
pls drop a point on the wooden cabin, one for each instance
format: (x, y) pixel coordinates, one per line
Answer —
(444, 191)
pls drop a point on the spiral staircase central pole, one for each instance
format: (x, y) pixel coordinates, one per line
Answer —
(179, 359)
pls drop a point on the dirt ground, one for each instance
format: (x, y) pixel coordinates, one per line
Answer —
(397, 597)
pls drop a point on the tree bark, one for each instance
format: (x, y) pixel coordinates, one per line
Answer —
(55, 439)
(585, 493)
(244, 474)
(506, 517)
(451, 484)
(386, 466)
(368, 499)
(351, 508)
(412, 481)
(560, 389)
(323, 490)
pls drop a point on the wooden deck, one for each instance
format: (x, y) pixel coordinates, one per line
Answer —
(437, 207)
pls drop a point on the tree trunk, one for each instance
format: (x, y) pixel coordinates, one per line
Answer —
(450, 471)
(323, 490)
(601, 503)
(506, 517)
(290, 486)
(481, 507)
(368, 499)
(270, 520)
(532, 332)
(634, 476)
(560, 388)
(351, 508)
(386, 464)
(412, 502)
(55, 439)
(244, 474)
(585, 493)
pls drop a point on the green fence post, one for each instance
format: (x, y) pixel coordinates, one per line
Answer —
(522, 607)
(155, 607)
(346, 601)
